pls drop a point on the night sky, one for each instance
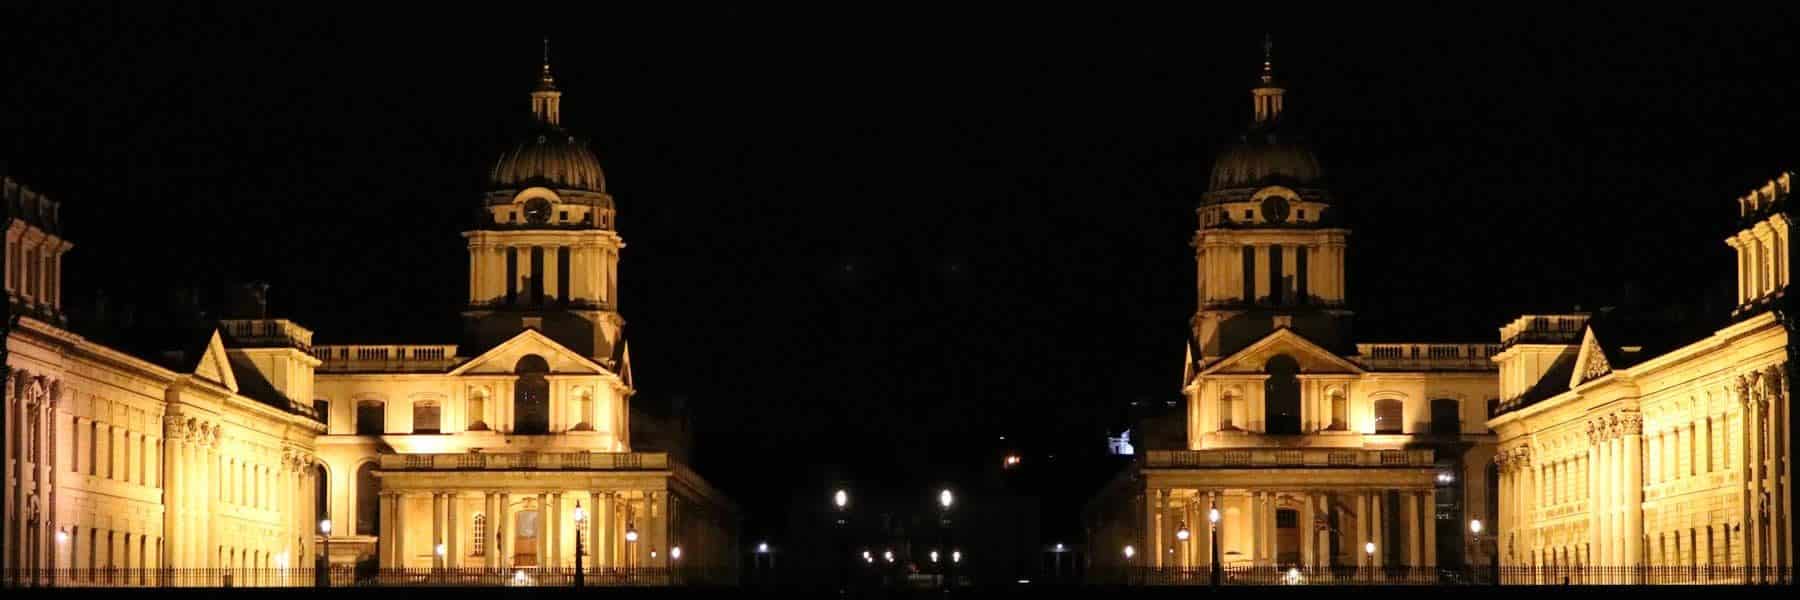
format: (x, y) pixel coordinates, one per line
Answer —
(885, 238)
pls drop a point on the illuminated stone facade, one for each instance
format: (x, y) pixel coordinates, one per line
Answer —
(232, 452)
(1312, 447)
(1612, 456)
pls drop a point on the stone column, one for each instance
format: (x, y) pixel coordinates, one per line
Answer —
(1152, 508)
(1204, 501)
(1591, 491)
(1165, 529)
(388, 539)
(1270, 506)
(1428, 506)
(1378, 522)
(1307, 530)
(543, 536)
(452, 531)
(503, 527)
(1362, 528)
(1773, 454)
(437, 528)
(556, 529)
(1410, 517)
(1634, 490)
(603, 537)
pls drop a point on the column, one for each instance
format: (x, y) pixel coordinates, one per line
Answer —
(1307, 530)
(503, 527)
(490, 538)
(603, 540)
(437, 528)
(452, 531)
(554, 526)
(1378, 500)
(389, 539)
(1152, 508)
(1256, 528)
(656, 505)
(1362, 528)
(1165, 530)
(1268, 524)
(1531, 500)
(1428, 506)
(550, 275)
(1410, 517)
(543, 537)
(1204, 503)
(1634, 491)
(1773, 453)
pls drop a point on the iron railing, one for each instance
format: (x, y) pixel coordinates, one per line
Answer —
(1408, 575)
(686, 575)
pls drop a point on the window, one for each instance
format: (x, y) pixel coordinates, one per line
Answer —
(368, 506)
(321, 494)
(562, 274)
(581, 407)
(531, 396)
(1340, 411)
(1300, 274)
(536, 284)
(1302, 214)
(1227, 406)
(370, 418)
(479, 531)
(477, 410)
(562, 215)
(1390, 415)
(1248, 275)
(425, 416)
(512, 275)
(1277, 283)
(323, 408)
(1281, 395)
(1249, 214)
(1444, 417)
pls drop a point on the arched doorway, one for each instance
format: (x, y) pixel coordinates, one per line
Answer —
(531, 396)
(368, 500)
(526, 528)
(1281, 395)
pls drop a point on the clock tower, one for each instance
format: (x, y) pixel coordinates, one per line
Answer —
(1269, 251)
(544, 254)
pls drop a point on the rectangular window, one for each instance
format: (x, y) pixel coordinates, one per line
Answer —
(1277, 288)
(369, 418)
(1249, 275)
(94, 448)
(425, 417)
(323, 409)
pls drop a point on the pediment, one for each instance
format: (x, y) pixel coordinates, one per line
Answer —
(504, 358)
(215, 365)
(1312, 357)
(1590, 362)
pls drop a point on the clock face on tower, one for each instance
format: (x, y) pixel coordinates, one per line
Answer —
(1275, 209)
(537, 211)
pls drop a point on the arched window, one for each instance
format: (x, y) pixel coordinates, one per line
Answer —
(531, 396)
(1446, 418)
(371, 417)
(479, 530)
(1390, 416)
(426, 415)
(321, 494)
(1340, 411)
(477, 410)
(1281, 395)
(368, 500)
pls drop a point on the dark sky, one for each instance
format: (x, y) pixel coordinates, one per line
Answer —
(883, 236)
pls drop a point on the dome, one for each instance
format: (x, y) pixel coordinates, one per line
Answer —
(551, 158)
(1261, 160)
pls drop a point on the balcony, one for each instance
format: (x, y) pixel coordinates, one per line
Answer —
(1428, 357)
(528, 461)
(268, 333)
(1286, 457)
(385, 358)
(1544, 329)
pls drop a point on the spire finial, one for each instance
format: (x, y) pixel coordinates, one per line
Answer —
(545, 81)
(546, 101)
(1268, 73)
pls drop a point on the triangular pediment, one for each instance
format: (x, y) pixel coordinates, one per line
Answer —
(1312, 357)
(215, 365)
(504, 358)
(1590, 362)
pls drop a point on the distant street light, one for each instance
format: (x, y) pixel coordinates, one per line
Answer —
(934, 556)
(1130, 552)
(581, 520)
(1182, 533)
(888, 555)
(946, 499)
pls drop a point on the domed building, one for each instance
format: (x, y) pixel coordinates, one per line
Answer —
(1315, 452)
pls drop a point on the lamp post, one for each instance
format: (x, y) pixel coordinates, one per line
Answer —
(581, 520)
(1474, 547)
(945, 501)
(840, 501)
(325, 559)
(1212, 520)
(1369, 550)
(62, 540)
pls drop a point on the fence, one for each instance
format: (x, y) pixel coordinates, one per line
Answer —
(1422, 576)
(685, 575)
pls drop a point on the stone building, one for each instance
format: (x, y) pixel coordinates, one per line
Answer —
(246, 446)
(1613, 454)
(1316, 451)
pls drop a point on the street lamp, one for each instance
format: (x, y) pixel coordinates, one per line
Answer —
(1369, 549)
(325, 561)
(1130, 552)
(1474, 547)
(675, 553)
(1212, 525)
(840, 499)
(868, 558)
(946, 500)
(934, 556)
(955, 556)
(581, 520)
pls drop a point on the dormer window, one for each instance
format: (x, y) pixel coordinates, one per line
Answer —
(563, 216)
